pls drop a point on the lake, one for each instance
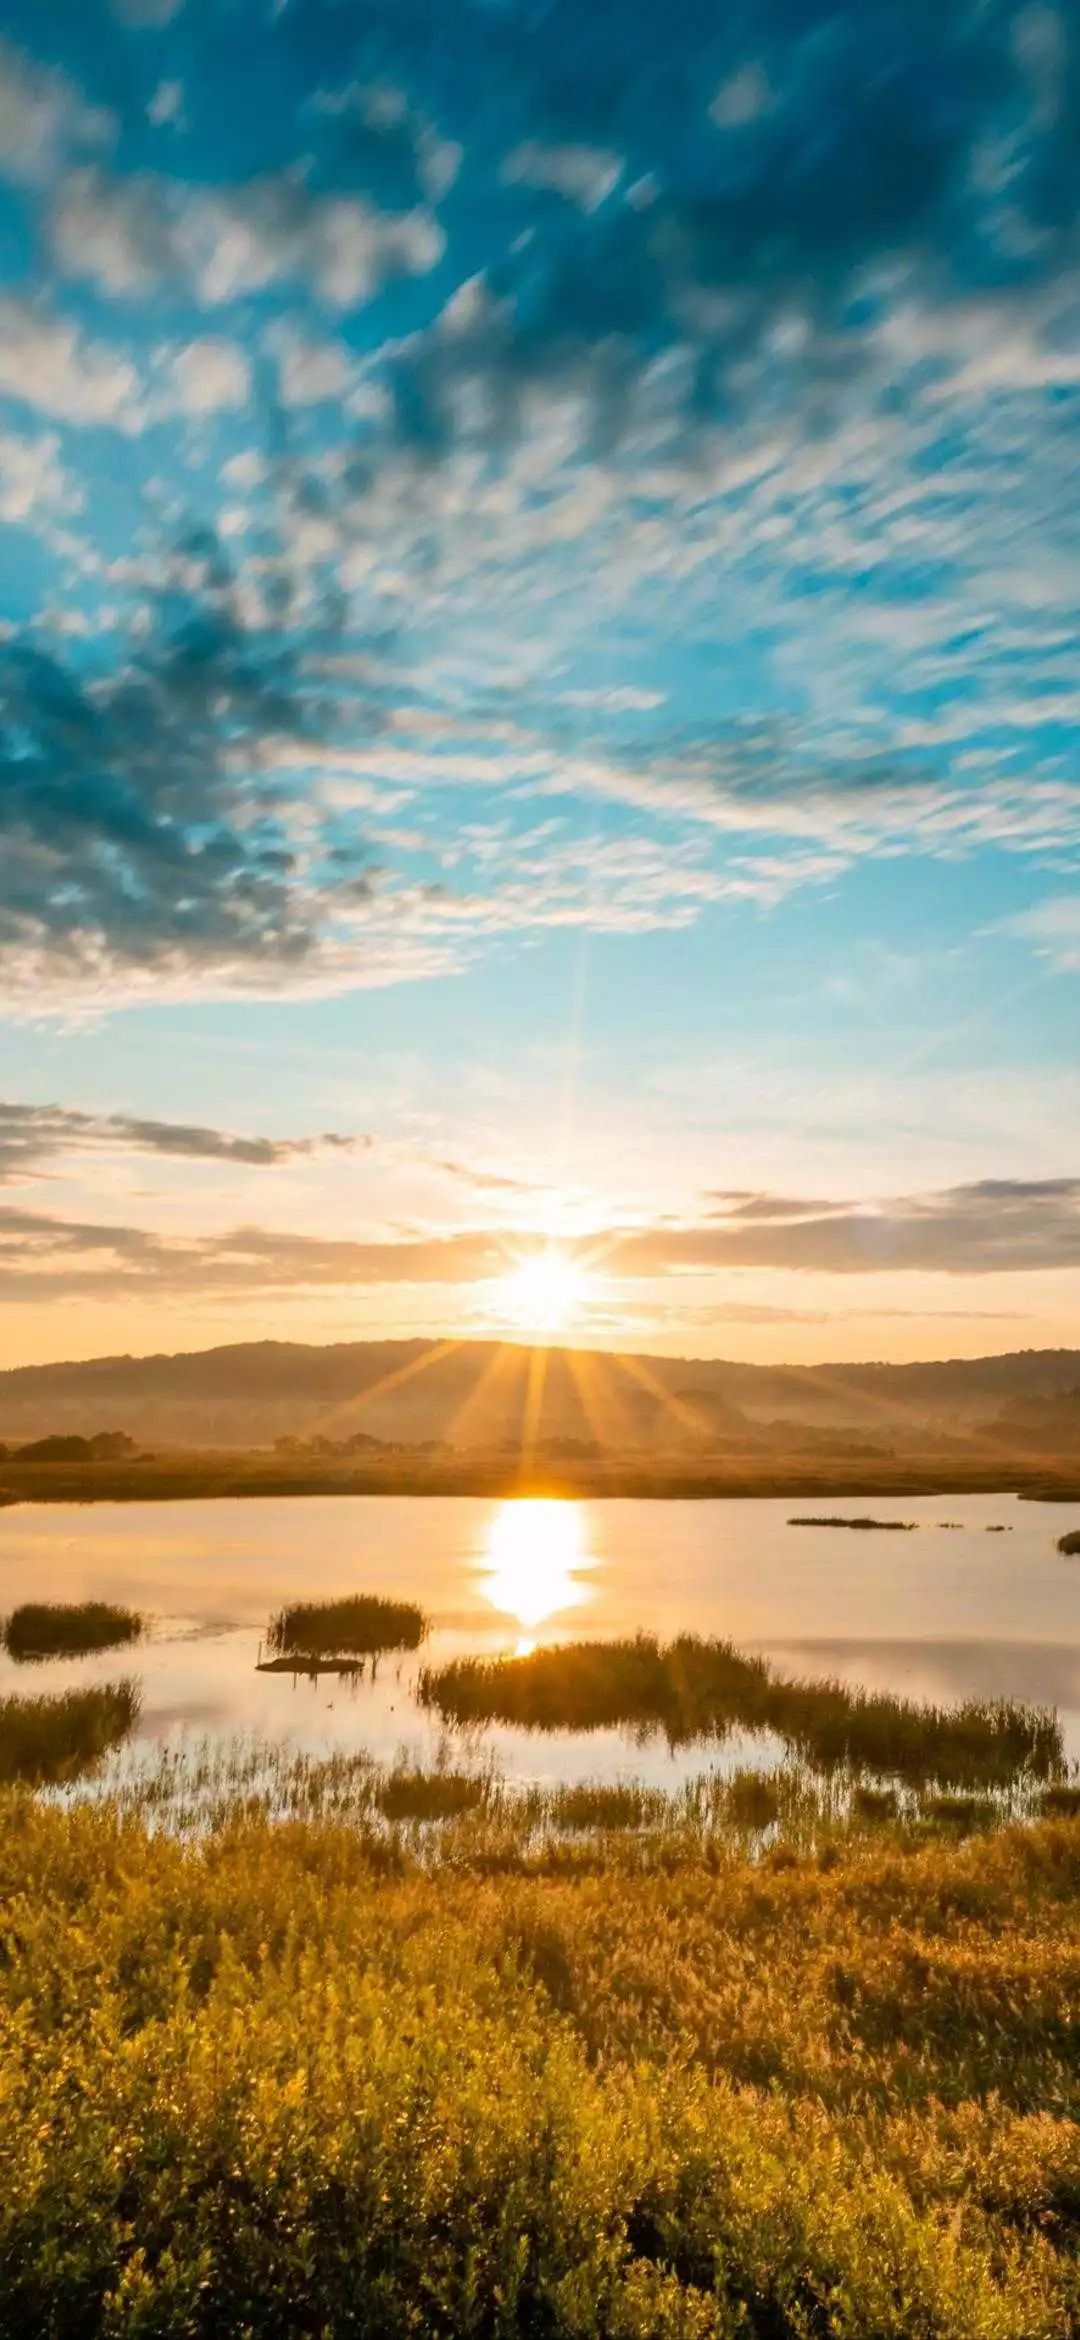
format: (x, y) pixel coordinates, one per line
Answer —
(946, 1613)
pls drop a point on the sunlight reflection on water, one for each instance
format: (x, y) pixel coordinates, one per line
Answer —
(536, 1548)
(944, 1614)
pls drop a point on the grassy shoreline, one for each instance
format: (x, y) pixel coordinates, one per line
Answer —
(188, 1477)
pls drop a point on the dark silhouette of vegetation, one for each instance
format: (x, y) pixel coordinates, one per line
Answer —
(1061, 1802)
(287, 2081)
(105, 1446)
(1070, 1544)
(905, 1527)
(312, 1667)
(406, 1794)
(45, 1739)
(694, 1689)
(360, 1626)
(42, 1629)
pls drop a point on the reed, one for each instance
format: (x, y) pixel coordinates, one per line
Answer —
(694, 1689)
(44, 1629)
(360, 1626)
(49, 1739)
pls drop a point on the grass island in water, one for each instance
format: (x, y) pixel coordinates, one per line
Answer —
(44, 1629)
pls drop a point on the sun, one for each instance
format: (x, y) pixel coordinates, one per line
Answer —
(545, 1292)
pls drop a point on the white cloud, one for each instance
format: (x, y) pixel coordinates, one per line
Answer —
(742, 99)
(42, 116)
(620, 699)
(126, 234)
(245, 470)
(309, 371)
(166, 107)
(240, 242)
(210, 376)
(32, 477)
(46, 363)
(585, 175)
(112, 232)
(1053, 927)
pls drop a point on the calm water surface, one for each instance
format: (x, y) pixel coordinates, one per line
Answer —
(945, 1613)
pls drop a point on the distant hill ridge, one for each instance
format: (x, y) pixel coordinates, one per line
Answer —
(475, 1392)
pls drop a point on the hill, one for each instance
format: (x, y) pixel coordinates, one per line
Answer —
(479, 1394)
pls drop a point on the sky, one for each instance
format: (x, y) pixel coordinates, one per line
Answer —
(538, 674)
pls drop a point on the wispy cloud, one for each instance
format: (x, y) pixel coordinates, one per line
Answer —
(32, 1134)
(988, 1228)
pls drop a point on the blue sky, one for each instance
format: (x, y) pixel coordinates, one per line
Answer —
(538, 670)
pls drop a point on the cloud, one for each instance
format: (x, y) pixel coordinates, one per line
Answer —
(741, 99)
(41, 1257)
(166, 107)
(33, 479)
(715, 342)
(585, 175)
(133, 233)
(1053, 927)
(43, 116)
(309, 371)
(31, 1134)
(138, 838)
(992, 1227)
(114, 232)
(48, 364)
(209, 376)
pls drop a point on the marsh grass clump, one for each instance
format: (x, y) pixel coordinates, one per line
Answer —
(407, 1794)
(579, 1805)
(903, 1527)
(751, 1800)
(965, 1812)
(361, 1626)
(49, 1739)
(695, 1689)
(870, 1803)
(44, 1629)
(1069, 1544)
(1061, 1802)
(690, 1689)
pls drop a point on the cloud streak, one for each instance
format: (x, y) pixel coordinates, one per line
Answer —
(32, 1134)
(991, 1227)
